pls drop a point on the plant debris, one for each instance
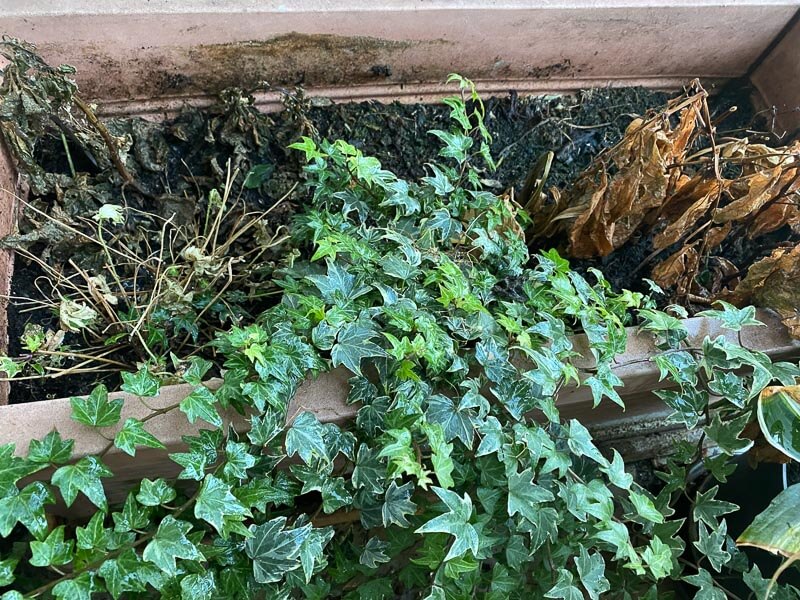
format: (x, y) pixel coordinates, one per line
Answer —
(690, 195)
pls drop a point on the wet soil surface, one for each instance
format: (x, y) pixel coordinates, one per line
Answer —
(180, 160)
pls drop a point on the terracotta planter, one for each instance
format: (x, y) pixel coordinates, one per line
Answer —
(150, 60)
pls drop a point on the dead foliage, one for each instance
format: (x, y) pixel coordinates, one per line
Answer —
(672, 180)
(774, 282)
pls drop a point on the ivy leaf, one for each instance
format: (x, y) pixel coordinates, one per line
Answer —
(645, 508)
(374, 553)
(142, 383)
(454, 522)
(580, 443)
(708, 509)
(13, 468)
(53, 550)
(616, 472)
(658, 556)
(704, 581)
(591, 571)
(51, 449)
(124, 574)
(93, 536)
(306, 437)
(564, 588)
(369, 472)
(726, 435)
(274, 550)
(216, 505)
(441, 456)
(96, 410)
(26, 507)
(78, 588)
(198, 586)
(338, 286)
(492, 439)
(524, 495)
(455, 423)
(155, 493)
(84, 476)
(7, 567)
(170, 543)
(238, 460)
(200, 405)
(352, 345)
(712, 543)
(397, 505)
(133, 434)
(729, 386)
(602, 385)
(733, 318)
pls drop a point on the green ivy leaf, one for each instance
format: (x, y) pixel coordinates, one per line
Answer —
(306, 437)
(13, 468)
(78, 588)
(726, 434)
(397, 504)
(169, 544)
(564, 588)
(155, 493)
(658, 556)
(93, 536)
(374, 553)
(704, 581)
(51, 449)
(524, 495)
(84, 476)
(580, 443)
(591, 571)
(369, 472)
(454, 522)
(238, 460)
(125, 573)
(708, 509)
(275, 550)
(352, 345)
(53, 550)
(711, 543)
(733, 318)
(216, 505)
(96, 410)
(26, 507)
(133, 434)
(141, 383)
(455, 423)
(616, 472)
(200, 405)
(645, 508)
(198, 586)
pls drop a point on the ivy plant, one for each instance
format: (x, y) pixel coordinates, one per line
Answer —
(458, 478)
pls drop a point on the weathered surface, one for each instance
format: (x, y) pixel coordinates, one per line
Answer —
(9, 189)
(161, 50)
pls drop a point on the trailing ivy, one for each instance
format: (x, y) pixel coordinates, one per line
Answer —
(458, 477)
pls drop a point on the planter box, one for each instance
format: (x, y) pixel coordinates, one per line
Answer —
(150, 60)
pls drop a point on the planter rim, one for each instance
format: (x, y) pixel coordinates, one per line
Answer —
(326, 395)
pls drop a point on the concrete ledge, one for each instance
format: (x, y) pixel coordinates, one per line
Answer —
(167, 51)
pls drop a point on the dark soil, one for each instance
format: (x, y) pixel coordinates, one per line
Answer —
(178, 161)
